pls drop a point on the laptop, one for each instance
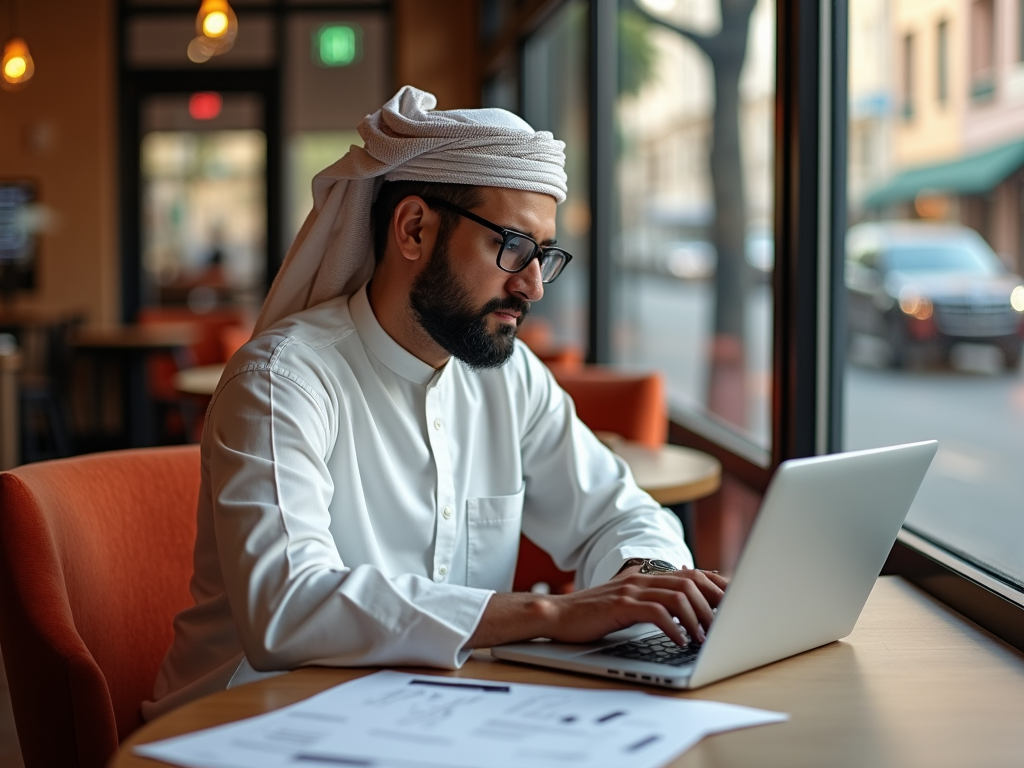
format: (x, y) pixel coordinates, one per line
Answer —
(825, 528)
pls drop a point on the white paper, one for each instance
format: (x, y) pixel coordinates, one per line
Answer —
(399, 720)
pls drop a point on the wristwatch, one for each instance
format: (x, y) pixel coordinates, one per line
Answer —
(648, 565)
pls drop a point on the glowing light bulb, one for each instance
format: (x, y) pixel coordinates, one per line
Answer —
(216, 29)
(17, 65)
(215, 24)
(15, 68)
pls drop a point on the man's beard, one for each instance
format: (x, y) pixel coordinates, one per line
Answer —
(445, 312)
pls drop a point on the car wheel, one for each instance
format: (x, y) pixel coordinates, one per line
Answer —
(1011, 354)
(899, 344)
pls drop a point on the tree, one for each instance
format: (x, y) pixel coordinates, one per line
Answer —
(726, 51)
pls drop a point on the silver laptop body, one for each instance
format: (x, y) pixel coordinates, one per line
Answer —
(819, 542)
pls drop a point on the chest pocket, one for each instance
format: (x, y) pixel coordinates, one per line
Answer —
(493, 526)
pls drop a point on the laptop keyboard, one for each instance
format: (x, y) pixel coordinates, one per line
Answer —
(657, 648)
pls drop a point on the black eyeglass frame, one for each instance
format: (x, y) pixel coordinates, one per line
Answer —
(538, 250)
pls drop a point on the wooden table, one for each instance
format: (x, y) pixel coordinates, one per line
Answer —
(914, 685)
(671, 474)
(128, 346)
(201, 380)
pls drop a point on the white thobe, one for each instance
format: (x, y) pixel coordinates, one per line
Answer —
(359, 507)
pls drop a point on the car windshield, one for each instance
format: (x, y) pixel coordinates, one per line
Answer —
(942, 257)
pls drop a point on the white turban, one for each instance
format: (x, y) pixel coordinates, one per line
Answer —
(333, 253)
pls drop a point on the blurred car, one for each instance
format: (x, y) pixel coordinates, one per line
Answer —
(920, 285)
(760, 252)
(690, 259)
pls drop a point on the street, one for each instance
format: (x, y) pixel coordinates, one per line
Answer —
(971, 499)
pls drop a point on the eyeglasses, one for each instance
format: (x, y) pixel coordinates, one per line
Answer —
(517, 250)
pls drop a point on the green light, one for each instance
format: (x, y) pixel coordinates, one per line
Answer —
(336, 45)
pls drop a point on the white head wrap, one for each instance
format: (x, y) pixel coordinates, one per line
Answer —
(333, 253)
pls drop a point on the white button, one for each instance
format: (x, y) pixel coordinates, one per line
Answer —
(437, 423)
(447, 512)
(443, 570)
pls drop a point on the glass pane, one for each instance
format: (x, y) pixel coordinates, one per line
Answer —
(696, 175)
(933, 261)
(555, 99)
(204, 201)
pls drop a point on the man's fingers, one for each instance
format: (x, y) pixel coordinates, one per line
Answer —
(655, 613)
(718, 579)
(709, 588)
(699, 604)
(686, 604)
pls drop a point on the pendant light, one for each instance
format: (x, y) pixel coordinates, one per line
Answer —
(216, 29)
(16, 67)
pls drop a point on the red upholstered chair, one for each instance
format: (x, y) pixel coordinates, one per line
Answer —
(233, 338)
(95, 561)
(537, 334)
(629, 404)
(565, 357)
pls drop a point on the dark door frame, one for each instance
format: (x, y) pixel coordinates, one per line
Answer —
(135, 87)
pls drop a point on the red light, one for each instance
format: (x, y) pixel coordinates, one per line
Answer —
(204, 105)
(923, 329)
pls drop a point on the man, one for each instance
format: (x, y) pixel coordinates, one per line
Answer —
(371, 456)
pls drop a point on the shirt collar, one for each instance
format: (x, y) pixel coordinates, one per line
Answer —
(382, 346)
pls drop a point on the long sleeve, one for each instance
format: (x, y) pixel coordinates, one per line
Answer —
(293, 598)
(583, 506)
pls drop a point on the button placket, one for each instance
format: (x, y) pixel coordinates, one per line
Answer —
(445, 519)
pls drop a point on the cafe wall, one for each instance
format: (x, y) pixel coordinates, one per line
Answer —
(59, 133)
(436, 49)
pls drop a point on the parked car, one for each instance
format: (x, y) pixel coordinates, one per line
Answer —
(689, 259)
(920, 285)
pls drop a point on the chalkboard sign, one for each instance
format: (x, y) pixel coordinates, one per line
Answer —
(18, 216)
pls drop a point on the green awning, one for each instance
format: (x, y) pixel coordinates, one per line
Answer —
(971, 175)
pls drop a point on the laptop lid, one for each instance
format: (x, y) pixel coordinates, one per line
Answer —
(819, 542)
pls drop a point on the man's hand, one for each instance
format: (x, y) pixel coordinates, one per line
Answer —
(630, 598)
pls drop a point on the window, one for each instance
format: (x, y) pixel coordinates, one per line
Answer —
(982, 53)
(1020, 30)
(901, 174)
(695, 179)
(555, 99)
(942, 62)
(908, 77)
(936, 321)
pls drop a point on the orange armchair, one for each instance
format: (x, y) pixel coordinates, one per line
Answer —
(95, 561)
(630, 405)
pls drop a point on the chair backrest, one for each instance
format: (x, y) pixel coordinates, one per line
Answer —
(95, 561)
(628, 404)
(233, 338)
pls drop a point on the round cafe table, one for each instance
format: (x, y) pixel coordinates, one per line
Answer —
(201, 380)
(670, 473)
